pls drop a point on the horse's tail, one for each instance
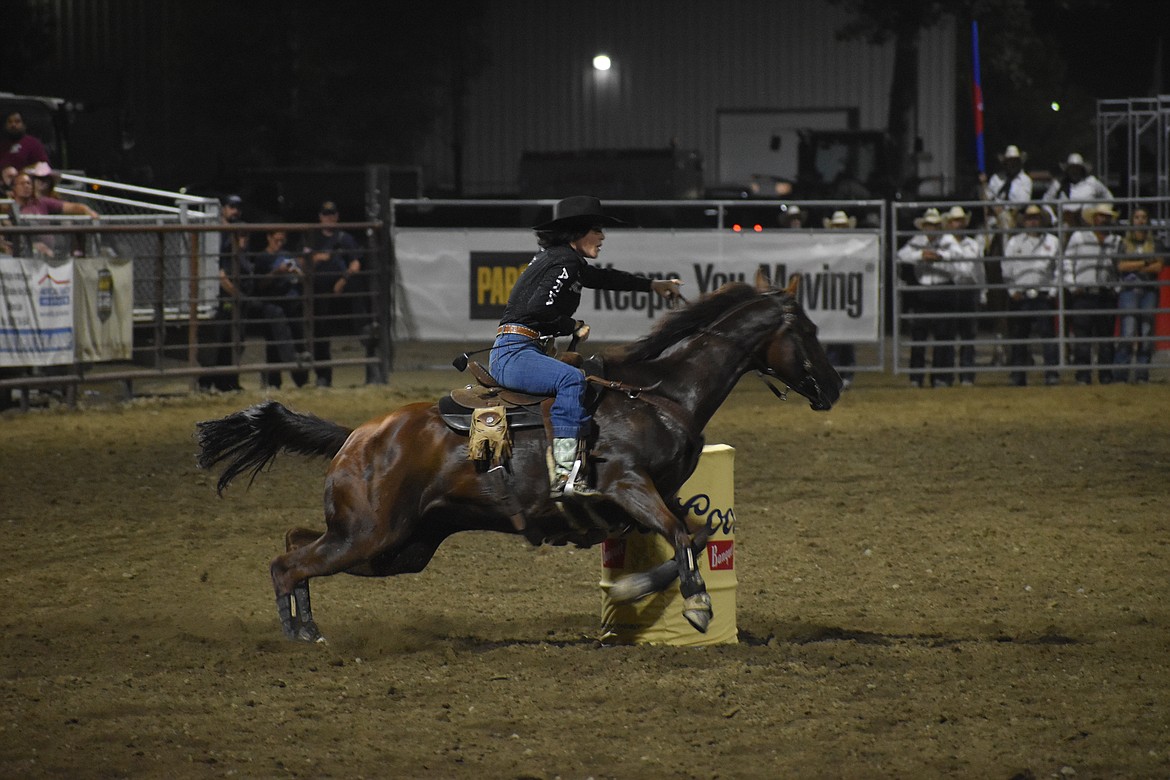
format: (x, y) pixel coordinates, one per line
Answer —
(251, 439)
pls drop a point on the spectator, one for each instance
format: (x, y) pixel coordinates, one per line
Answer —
(279, 281)
(1077, 184)
(971, 289)
(1029, 271)
(331, 259)
(236, 280)
(1089, 273)
(791, 217)
(23, 149)
(842, 356)
(927, 258)
(236, 286)
(25, 203)
(230, 212)
(1007, 191)
(44, 179)
(1139, 267)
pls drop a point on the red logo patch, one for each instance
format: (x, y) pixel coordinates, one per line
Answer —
(613, 554)
(721, 554)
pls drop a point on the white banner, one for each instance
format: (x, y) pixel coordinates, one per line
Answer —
(453, 284)
(36, 312)
(104, 293)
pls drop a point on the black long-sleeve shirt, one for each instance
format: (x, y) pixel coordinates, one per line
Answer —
(547, 294)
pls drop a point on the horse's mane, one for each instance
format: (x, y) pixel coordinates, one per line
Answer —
(677, 325)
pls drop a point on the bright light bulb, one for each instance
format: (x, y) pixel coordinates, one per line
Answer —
(1054, 105)
(602, 62)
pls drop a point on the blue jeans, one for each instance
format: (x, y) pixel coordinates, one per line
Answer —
(1136, 325)
(518, 362)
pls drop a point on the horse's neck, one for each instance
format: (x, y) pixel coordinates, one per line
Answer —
(701, 372)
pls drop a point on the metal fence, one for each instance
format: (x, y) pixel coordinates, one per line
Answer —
(1086, 316)
(186, 332)
(180, 320)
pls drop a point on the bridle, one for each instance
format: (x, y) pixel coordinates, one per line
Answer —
(808, 386)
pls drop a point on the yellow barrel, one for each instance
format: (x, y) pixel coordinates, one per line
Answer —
(709, 496)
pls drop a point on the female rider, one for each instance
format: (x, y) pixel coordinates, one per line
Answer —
(542, 304)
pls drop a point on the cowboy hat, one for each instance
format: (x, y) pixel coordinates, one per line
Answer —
(1093, 209)
(957, 212)
(840, 220)
(1033, 210)
(41, 170)
(578, 211)
(1075, 159)
(929, 217)
(1013, 152)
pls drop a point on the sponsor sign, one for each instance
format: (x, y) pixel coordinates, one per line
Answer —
(455, 283)
(36, 315)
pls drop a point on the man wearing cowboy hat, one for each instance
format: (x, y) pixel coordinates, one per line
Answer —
(929, 259)
(1076, 185)
(1007, 189)
(971, 282)
(542, 305)
(1089, 275)
(1029, 271)
(839, 220)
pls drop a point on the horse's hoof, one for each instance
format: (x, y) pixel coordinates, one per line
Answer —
(697, 611)
(309, 633)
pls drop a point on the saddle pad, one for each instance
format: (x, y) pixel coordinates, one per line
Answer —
(458, 417)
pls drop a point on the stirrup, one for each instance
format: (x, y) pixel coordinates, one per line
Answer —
(573, 486)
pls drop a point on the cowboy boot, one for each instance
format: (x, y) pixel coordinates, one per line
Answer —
(568, 471)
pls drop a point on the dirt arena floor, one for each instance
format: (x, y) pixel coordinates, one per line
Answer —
(970, 583)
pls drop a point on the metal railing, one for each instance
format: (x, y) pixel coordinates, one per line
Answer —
(180, 316)
(982, 331)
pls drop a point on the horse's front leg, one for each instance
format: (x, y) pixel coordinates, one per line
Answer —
(636, 494)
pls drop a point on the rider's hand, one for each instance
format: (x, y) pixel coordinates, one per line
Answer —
(581, 332)
(667, 288)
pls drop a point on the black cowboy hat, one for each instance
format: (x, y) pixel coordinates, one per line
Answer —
(578, 211)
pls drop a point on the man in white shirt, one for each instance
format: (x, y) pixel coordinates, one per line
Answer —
(1029, 271)
(970, 281)
(927, 263)
(1089, 274)
(1073, 188)
(1007, 191)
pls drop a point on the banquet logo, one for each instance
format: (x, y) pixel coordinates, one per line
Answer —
(721, 554)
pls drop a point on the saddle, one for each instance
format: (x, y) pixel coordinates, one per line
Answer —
(521, 410)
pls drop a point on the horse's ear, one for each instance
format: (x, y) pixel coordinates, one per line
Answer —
(793, 284)
(763, 283)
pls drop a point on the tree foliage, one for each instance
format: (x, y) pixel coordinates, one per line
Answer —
(1021, 62)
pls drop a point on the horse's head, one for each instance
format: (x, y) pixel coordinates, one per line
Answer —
(794, 355)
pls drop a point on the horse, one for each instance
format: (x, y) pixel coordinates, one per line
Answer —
(398, 485)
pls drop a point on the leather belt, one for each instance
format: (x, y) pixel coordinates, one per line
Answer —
(517, 330)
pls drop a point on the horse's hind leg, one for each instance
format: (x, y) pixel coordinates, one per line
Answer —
(298, 626)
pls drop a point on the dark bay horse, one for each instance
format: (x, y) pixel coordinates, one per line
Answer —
(401, 484)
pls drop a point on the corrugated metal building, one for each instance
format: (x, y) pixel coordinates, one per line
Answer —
(703, 74)
(681, 69)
